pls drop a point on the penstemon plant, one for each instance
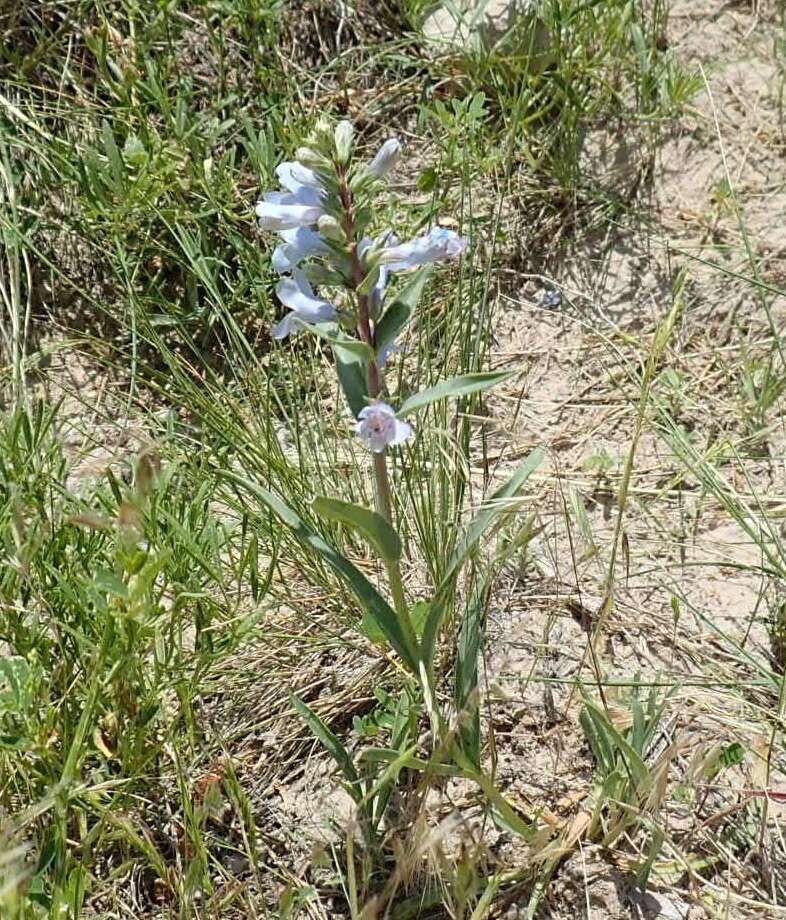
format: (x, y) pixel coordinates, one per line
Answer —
(323, 216)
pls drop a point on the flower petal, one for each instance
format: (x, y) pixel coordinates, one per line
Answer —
(293, 176)
(284, 216)
(298, 243)
(403, 432)
(437, 245)
(377, 427)
(286, 326)
(297, 294)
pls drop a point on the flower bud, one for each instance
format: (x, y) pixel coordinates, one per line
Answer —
(388, 156)
(311, 158)
(331, 229)
(344, 136)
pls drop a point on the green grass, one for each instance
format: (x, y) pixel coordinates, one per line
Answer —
(156, 618)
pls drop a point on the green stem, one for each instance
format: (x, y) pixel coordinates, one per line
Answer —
(384, 508)
(381, 476)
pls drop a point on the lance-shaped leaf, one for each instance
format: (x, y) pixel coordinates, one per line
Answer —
(340, 340)
(397, 315)
(372, 601)
(351, 371)
(372, 525)
(331, 744)
(465, 385)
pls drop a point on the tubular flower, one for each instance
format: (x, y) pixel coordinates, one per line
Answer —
(297, 294)
(438, 245)
(298, 243)
(378, 428)
(300, 205)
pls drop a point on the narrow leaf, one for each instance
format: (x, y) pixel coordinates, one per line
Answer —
(397, 315)
(372, 601)
(331, 744)
(464, 385)
(372, 525)
(352, 377)
(466, 679)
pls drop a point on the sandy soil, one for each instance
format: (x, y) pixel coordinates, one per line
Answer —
(678, 546)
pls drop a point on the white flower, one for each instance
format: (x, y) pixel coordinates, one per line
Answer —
(298, 243)
(293, 175)
(377, 427)
(297, 294)
(436, 246)
(386, 159)
(301, 205)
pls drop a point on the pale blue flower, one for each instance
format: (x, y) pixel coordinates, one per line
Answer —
(280, 211)
(293, 175)
(377, 294)
(297, 294)
(386, 159)
(301, 205)
(298, 243)
(378, 428)
(437, 245)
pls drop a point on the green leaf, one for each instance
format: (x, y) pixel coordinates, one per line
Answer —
(614, 745)
(331, 744)
(464, 385)
(349, 346)
(352, 377)
(113, 156)
(418, 615)
(108, 582)
(466, 678)
(372, 525)
(427, 180)
(504, 814)
(379, 610)
(397, 315)
(732, 754)
(14, 684)
(434, 619)
(134, 151)
(408, 759)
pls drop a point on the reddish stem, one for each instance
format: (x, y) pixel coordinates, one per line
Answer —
(364, 313)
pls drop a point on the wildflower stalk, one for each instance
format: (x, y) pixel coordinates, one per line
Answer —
(382, 491)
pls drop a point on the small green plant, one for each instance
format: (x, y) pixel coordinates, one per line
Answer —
(630, 771)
